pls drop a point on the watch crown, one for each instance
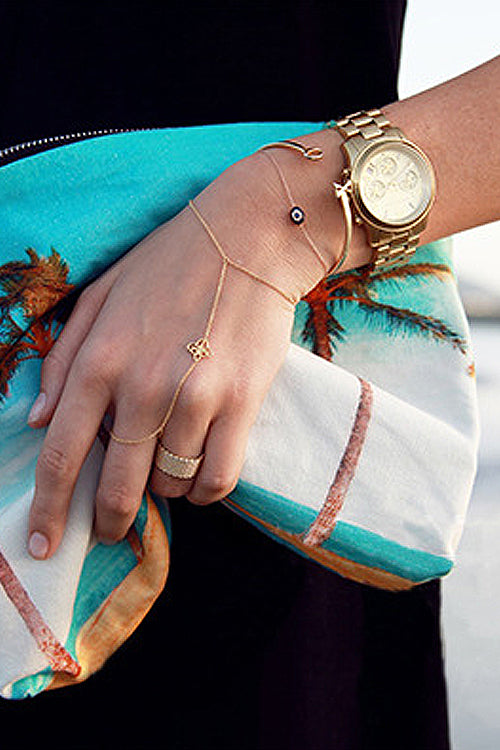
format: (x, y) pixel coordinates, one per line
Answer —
(358, 219)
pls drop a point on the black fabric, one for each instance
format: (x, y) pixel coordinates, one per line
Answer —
(250, 647)
(68, 66)
(253, 648)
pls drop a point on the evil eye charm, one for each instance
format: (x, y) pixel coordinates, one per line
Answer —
(297, 215)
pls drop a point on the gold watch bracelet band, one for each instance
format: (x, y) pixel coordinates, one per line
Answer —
(370, 124)
(365, 126)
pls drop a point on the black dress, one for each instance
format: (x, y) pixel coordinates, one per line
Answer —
(250, 647)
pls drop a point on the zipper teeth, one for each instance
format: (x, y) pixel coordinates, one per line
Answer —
(69, 136)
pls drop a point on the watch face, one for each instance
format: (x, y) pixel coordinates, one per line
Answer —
(395, 183)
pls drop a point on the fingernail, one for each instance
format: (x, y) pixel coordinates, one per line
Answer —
(38, 546)
(37, 408)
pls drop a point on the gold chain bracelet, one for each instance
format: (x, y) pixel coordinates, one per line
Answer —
(200, 348)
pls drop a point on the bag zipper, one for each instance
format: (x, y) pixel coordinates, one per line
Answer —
(28, 148)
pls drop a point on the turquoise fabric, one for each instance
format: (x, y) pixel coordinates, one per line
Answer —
(93, 200)
(346, 540)
(90, 202)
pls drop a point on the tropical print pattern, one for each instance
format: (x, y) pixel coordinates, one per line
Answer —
(67, 215)
(31, 290)
(35, 299)
(323, 331)
(324, 523)
(29, 293)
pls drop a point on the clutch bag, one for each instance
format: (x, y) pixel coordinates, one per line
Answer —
(362, 457)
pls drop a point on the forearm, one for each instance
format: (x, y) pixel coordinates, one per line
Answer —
(456, 125)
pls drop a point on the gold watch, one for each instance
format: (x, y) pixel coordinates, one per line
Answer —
(388, 185)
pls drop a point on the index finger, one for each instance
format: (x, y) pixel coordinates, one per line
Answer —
(69, 439)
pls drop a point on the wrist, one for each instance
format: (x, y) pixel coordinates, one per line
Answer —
(308, 184)
(327, 220)
(250, 209)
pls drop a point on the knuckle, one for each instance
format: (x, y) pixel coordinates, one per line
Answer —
(95, 365)
(53, 365)
(214, 486)
(116, 501)
(89, 297)
(54, 462)
(45, 517)
(196, 396)
(148, 391)
(240, 394)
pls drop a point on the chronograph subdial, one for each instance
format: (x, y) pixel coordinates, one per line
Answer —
(392, 184)
(388, 186)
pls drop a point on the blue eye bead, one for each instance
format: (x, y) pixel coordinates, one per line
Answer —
(297, 215)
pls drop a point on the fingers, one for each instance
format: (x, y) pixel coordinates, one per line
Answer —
(224, 447)
(121, 487)
(67, 443)
(83, 404)
(185, 433)
(125, 348)
(57, 363)
(224, 456)
(126, 467)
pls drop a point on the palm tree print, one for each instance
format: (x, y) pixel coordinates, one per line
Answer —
(323, 331)
(29, 295)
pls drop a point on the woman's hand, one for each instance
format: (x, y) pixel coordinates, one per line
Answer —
(123, 352)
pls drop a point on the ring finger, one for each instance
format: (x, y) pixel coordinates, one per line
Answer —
(183, 438)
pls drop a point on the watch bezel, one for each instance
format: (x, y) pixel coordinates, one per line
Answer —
(361, 209)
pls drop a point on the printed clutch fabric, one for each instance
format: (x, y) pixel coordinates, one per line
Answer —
(362, 457)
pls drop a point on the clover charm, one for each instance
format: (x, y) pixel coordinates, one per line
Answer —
(199, 349)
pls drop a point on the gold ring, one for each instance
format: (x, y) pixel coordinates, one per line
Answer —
(180, 467)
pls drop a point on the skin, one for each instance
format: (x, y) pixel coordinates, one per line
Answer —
(123, 349)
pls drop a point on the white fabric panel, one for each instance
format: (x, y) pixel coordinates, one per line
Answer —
(412, 484)
(413, 480)
(51, 584)
(302, 429)
(415, 472)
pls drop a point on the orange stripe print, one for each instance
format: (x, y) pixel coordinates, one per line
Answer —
(324, 522)
(59, 659)
(376, 577)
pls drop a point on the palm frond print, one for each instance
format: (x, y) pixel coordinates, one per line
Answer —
(29, 294)
(31, 290)
(323, 331)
